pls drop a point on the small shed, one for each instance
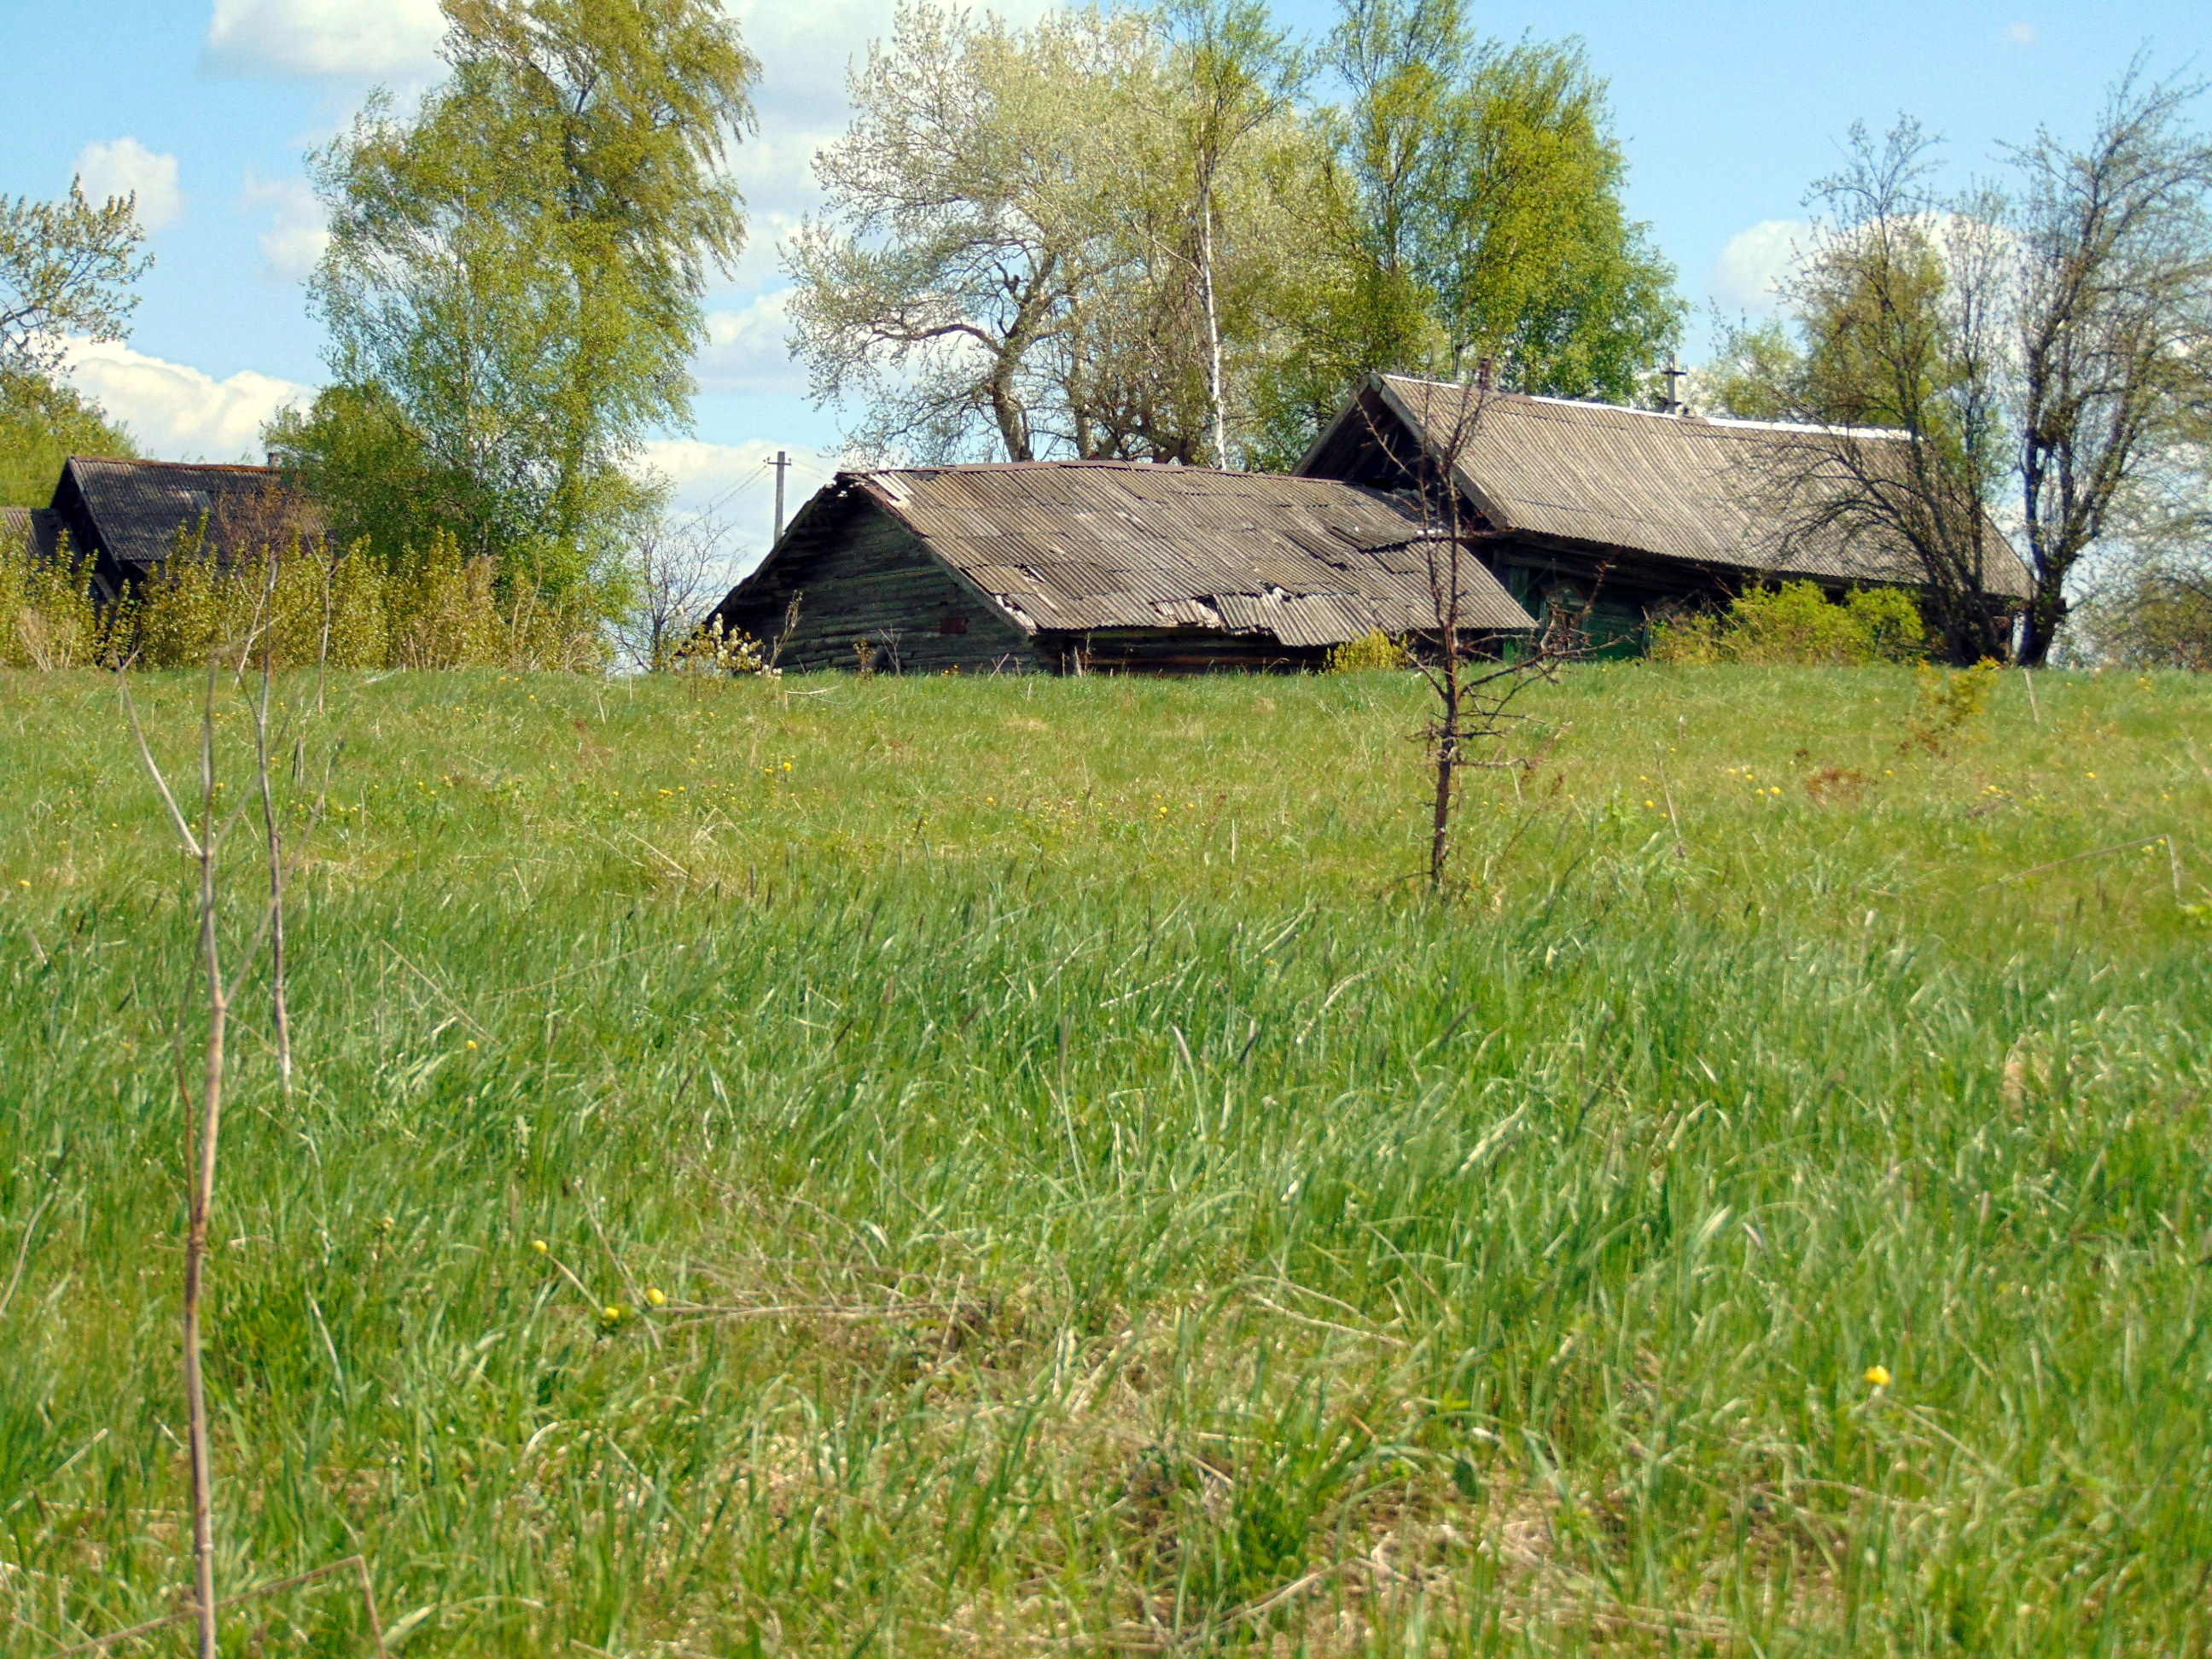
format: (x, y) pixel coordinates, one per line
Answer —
(1645, 510)
(1097, 566)
(129, 516)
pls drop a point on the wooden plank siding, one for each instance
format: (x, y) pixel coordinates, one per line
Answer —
(1176, 651)
(1090, 567)
(863, 575)
(1653, 513)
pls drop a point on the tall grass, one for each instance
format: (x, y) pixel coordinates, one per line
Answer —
(1021, 1166)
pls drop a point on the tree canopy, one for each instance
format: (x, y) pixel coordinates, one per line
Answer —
(2046, 349)
(516, 274)
(1123, 233)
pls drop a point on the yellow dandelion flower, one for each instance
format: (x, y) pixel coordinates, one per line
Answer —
(656, 1295)
(540, 1246)
(1651, 804)
(1878, 1376)
(613, 1311)
(472, 1042)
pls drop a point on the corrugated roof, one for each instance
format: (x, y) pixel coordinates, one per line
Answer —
(1676, 486)
(36, 526)
(139, 507)
(1084, 545)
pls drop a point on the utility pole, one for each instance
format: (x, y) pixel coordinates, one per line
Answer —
(782, 463)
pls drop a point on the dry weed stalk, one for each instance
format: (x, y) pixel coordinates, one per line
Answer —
(202, 835)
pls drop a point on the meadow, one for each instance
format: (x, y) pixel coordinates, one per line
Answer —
(979, 1167)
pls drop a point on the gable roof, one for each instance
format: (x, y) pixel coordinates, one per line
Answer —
(37, 528)
(135, 509)
(1674, 486)
(1084, 546)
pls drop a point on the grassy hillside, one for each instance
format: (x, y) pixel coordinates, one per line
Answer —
(1023, 1167)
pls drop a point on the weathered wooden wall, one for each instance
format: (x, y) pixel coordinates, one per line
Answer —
(1175, 651)
(862, 575)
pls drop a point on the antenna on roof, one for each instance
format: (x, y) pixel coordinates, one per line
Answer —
(1674, 372)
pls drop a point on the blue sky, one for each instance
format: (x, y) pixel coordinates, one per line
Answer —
(1727, 108)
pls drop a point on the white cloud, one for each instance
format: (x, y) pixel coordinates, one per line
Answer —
(2023, 35)
(1745, 275)
(736, 481)
(124, 167)
(745, 348)
(345, 39)
(297, 235)
(178, 412)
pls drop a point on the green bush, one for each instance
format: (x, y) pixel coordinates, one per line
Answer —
(48, 617)
(1371, 651)
(1798, 625)
(434, 609)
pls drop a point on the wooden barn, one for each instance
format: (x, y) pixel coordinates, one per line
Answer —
(128, 516)
(1669, 509)
(1064, 567)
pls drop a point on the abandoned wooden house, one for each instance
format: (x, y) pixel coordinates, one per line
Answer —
(1066, 567)
(1627, 512)
(127, 517)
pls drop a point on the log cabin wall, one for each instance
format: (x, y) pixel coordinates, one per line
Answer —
(862, 575)
(1176, 651)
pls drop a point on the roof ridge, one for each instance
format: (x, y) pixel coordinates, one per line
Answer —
(1104, 463)
(1687, 418)
(186, 466)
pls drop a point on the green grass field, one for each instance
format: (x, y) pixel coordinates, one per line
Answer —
(1024, 1167)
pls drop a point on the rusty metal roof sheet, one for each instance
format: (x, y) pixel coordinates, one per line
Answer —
(1677, 486)
(1089, 545)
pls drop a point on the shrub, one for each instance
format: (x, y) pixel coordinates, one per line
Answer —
(434, 609)
(1797, 624)
(2158, 617)
(49, 617)
(1948, 707)
(1372, 650)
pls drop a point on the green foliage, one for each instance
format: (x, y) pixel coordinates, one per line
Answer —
(515, 281)
(2157, 614)
(66, 269)
(1947, 706)
(1034, 237)
(1797, 624)
(1368, 652)
(1093, 1205)
(43, 422)
(49, 618)
(300, 604)
(1475, 211)
(1757, 372)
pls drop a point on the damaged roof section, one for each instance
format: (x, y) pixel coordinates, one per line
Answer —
(1084, 546)
(1718, 494)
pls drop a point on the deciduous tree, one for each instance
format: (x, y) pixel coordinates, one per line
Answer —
(2114, 325)
(516, 277)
